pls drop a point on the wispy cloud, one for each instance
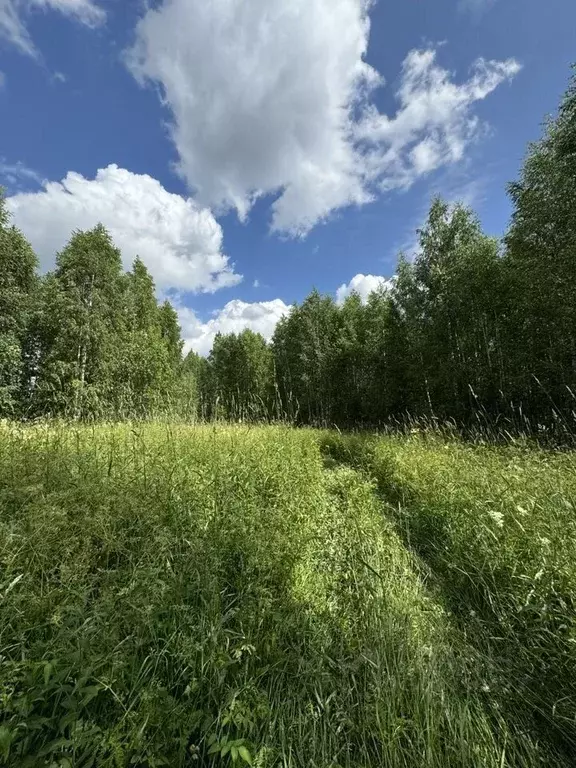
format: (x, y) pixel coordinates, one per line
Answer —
(475, 7)
(13, 19)
(18, 174)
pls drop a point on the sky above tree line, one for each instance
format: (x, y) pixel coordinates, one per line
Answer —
(248, 150)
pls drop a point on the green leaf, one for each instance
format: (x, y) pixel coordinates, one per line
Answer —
(89, 693)
(48, 667)
(54, 746)
(6, 737)
(245, 755)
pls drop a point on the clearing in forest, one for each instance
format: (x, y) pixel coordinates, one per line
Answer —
(175, 595)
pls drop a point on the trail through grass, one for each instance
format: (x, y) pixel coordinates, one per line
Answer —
(211, 596)
(496, 530)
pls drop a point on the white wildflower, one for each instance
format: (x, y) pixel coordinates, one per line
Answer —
(497, 517)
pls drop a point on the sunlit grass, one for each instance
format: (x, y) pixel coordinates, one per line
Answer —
(495, 528)
(210, 595)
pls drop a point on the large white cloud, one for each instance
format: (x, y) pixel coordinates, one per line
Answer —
(273, 96)
(260, 316)
(363, 285)
(13, 12)
(261, 91)
(180, 243)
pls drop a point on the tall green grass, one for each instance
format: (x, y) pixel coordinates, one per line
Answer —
(495, 529)
(215, 596)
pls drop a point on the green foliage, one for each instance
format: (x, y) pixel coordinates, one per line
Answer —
(144, 377)
(449, 300)
(17, 286)
(76, 354)
(428, 346)
(541, 243)
(304, 353)
(495, 528)
(215, 595)
(240, 375)
(102, 345)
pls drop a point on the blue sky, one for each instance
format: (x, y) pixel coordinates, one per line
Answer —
(251, 149)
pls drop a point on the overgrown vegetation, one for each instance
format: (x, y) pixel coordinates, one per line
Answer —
(218, 595)
(495, 530)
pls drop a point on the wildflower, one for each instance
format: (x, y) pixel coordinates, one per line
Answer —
(497, 517)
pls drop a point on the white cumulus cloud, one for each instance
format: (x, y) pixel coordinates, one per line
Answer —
(260, 317)
(261, 92)
(13, 18)
(363, 285)
(180, 242)
(274, 97)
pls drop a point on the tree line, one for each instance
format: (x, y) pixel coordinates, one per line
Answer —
(472, 329)
(87, 339)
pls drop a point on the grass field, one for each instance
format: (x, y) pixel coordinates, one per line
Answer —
(209, 596)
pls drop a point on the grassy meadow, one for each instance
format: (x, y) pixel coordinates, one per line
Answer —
(235, 595)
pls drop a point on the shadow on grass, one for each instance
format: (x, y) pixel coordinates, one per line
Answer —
(528, 656)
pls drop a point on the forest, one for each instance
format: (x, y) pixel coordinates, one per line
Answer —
(475, 331)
